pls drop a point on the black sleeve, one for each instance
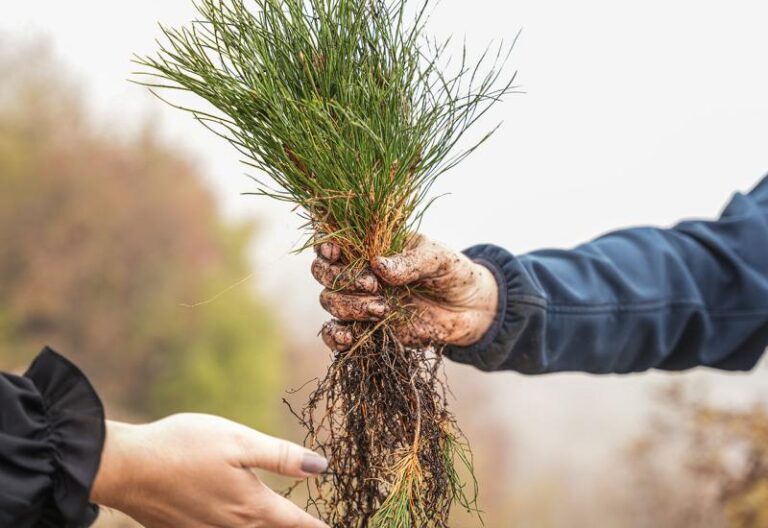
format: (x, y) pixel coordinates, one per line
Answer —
(52, 434)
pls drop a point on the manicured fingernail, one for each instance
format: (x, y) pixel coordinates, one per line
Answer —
(314, 464)
(378, 308)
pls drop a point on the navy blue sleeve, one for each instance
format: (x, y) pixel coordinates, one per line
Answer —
(636, 299)
(51, 437)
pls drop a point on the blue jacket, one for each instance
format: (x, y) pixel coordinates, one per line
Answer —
(636, 299)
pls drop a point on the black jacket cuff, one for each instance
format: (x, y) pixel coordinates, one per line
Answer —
(76, 432)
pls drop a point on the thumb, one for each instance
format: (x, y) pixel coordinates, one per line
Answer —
(423, 260)
(280, 456)
(282, 513)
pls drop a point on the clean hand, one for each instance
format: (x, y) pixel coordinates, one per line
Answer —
(196, 471)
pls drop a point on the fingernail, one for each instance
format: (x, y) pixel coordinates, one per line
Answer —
(325, 250)
(378, 308)
(314, 464)
(369, 283)
(343, 337)
(329, 251)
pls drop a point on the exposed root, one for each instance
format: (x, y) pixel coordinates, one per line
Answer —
(380, 416)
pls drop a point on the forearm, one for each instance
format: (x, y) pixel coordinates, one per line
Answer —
(636, 299)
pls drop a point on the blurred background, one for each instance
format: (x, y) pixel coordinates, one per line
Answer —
(125, 242)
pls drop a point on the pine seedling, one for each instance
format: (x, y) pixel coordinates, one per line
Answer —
(348, 111)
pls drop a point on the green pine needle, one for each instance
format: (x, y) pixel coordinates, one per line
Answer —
(345, 105)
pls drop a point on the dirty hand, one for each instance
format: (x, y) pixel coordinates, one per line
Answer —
(453, 300)
(196, 471)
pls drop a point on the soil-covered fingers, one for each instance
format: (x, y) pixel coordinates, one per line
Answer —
(337, 336)
(329, 251)
(420, 331)
(349, 307)
(424, 259)
(337, 277)
(431, 326)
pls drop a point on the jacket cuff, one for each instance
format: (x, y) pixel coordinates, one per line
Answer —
(518, 329)
(76, 433)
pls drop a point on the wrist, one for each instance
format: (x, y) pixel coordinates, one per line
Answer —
(485, 305)
(113, 480)
(489, 301)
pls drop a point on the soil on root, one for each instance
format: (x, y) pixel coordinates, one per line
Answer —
(381, 418)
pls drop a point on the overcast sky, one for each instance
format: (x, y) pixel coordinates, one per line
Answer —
(634, 113)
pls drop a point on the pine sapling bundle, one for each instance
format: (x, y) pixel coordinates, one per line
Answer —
(348, 111)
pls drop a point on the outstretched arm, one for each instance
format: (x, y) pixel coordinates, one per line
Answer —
(693, 295)
(58, 457)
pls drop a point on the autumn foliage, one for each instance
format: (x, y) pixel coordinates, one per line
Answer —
(106, 241)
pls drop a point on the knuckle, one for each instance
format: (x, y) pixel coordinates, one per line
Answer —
(338, 278)
(239, 444)
(367, 282)
(326, 297)
(317, 268)
(282, 460)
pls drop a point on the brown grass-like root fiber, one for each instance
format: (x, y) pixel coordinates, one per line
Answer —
(380, 416)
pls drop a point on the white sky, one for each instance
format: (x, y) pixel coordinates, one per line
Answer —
(635, 113)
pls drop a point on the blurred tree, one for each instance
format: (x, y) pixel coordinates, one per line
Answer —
(700, 465)
(103, 239)
(731, 449)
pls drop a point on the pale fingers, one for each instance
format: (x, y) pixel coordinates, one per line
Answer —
(329, 251)
(337, 336)
(354, 307)
(423, 260)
